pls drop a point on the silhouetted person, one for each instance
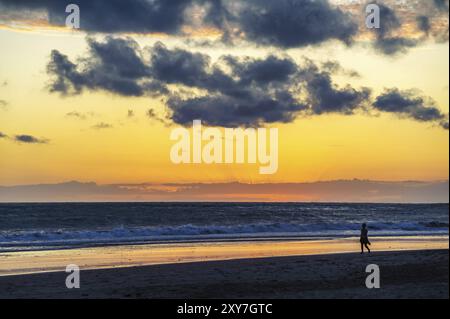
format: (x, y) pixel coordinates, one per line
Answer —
(364, 239)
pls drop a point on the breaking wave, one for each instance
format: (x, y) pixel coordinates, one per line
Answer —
(193, 232)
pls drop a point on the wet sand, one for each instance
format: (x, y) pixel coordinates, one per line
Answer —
(411, 267)
(143, 255)
(404, 274)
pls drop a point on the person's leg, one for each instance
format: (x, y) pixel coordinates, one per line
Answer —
(362, 248)
(368, 249)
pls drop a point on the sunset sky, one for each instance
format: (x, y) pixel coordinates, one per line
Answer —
(98, 104)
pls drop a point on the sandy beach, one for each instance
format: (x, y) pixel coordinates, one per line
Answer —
(153, 254)
(411, 267)
(406, 274)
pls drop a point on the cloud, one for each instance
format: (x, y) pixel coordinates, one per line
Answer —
(267, 90)
(333, 67)
(111, 16)
(67, 78)
(152, 115)
(178, 66)
(442, 35)
(25, 139)
(255, 90)
(3, 104)
(101, 126)
(251, 92)
(271, 70)
(29, 139)
(441, 4)
(231, 91)
(423, 23)
(395, 45)
(364, 191)
(386, 41)
(113, 65)
(281, 23)
(300, 23)
(77, 115)
(288, 23)
(410, 104)
(284, 23)
(229, 111)
(325, 97)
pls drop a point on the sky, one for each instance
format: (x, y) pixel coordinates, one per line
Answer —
(98, 104)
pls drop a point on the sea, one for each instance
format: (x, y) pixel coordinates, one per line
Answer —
(37, 226)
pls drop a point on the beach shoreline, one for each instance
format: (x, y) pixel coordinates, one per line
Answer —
(404, 274)
(103, 257)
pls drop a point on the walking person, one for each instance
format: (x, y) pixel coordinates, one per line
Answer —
(364, 239)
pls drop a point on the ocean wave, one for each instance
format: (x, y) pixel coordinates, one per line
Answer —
(123, 234)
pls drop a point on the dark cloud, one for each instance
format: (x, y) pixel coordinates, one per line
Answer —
(300, 23)
(333, 67)
(279, 23)
(152, 115)
(441, 4)
(217, 13)
(3, 104)
(67, 80)
(110, 16)
(423, 23)
(386, 42)
(29, 139)
(291, 23)
(230, 111)
(77, 115)
(285, 23)
(119, 56)
(24, 138)
(253, 92)
(101, 126)
(229, 92)
(263, 71)
(178, 66)
(395, 45)
(442, 35)
(114, 65)
(410, 104)
(259, 91)
(325, 97)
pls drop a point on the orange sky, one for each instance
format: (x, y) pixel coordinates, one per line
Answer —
(105, 145)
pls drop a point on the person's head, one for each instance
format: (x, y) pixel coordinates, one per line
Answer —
(363, 225)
